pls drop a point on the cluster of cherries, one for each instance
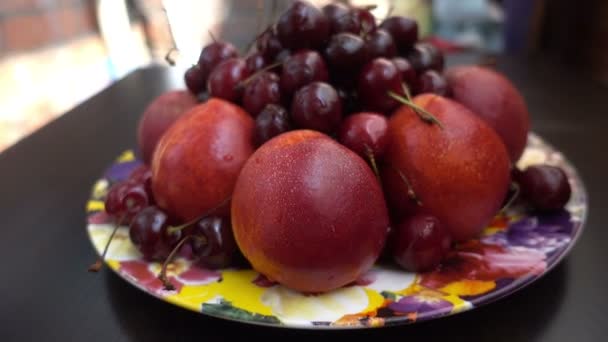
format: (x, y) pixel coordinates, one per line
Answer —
(158, 236)
(333, 70)
(316, 66)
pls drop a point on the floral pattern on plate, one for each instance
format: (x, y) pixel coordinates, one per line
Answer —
(516, 249)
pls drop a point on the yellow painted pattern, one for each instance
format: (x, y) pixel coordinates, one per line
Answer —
(235, 287)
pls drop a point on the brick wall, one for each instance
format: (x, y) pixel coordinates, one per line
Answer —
(26, 25)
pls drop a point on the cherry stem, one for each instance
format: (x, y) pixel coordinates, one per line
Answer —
(424, 115)
(212, 36)
(257, 73)
(406, 91)
(175, 229)
(98, 264)
(372, 161)
(410, 190)
(516, 192)
(162, 276)
(169, 58)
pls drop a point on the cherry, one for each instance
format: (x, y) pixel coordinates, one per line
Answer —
(425, 56)
(195, 79)
(125, 199)
(546, 187)
(260, 91)
(346, 52)
(300, 69)
(271, 121)
(420, 243)
(341, 18)
(317, 106)
(224, 81)
(255, 62)
(268, 44)
(213, 242)
(365, 133)
(403, 30)
(151, 235)
(431, 81)
(367, 20)
(408, 74)
(213, 54)
(143, 175)
(377, 78)
(379, 43)
(302, 26)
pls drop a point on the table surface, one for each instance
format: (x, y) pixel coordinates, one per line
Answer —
(47, 294)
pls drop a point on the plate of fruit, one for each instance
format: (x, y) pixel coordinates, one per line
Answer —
(335, 176)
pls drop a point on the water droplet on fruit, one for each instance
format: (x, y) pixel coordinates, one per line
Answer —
(228, 157)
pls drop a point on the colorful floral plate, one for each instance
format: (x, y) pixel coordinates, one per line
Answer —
(515, 250)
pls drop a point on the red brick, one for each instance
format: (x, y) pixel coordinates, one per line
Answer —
(71, 22)
(22, 32)
(7, 6)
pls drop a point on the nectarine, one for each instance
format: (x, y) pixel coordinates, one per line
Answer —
(308, 212)
(459, 174)
(198, 159)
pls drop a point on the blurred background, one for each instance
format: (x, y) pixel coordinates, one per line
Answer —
(55, 54)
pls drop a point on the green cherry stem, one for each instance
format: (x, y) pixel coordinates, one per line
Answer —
(175, 229)
(98, 264)
(424, 115)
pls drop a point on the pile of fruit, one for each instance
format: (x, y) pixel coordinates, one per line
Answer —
(336, 142)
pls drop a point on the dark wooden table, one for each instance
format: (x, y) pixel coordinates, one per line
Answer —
(47, 295)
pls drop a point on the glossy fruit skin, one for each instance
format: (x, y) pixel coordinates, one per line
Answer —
(198, 159)
(430, 81)
(376, 79)
(341, 18)
(496, 100)
(272, 121)
(217, 247)
(425, 56)
(420, 243)
(300, 69)
(148, 233)
(379, 43)
(460, 173)
(346, 52)
(545, 187)
(302, 26)
(317, 106)
(224, 81)
(268, 44)
(262, 90)
(365, 133)
(255, 62)
(213, 54)
(367, 20)
(408, 73)
(328, 221)
(403, 30)
(125, 200)
(158, 116)
(195, 79)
